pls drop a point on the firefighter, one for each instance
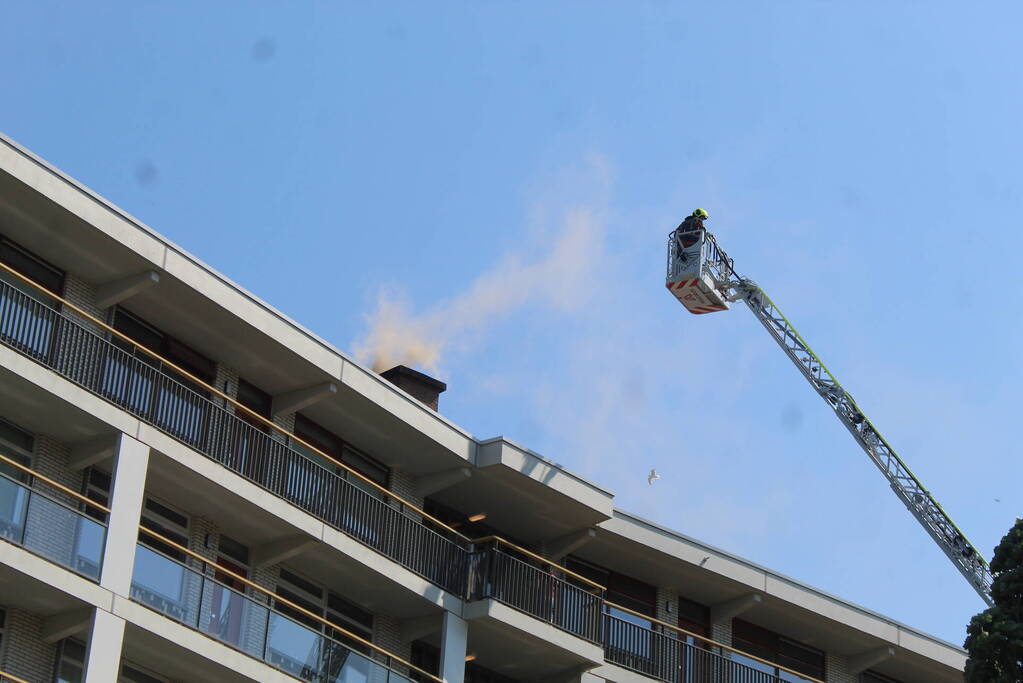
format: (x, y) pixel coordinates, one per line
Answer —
(694, 221)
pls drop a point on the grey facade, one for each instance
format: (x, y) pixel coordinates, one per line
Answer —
(195, 488)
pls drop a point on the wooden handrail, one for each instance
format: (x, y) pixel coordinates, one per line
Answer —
(540, 558)
(270, 423)
(283, 601)
(710, 641)
(60, 487)
(4, 677)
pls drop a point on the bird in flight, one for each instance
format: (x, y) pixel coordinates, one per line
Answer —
(650, 478)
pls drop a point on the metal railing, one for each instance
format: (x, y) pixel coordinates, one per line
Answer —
(672, 654)
(681, 256)
(310, 651)
(158, 395)
(544, 593)
(50, 528)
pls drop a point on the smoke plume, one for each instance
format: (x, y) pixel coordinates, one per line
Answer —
(553, 275)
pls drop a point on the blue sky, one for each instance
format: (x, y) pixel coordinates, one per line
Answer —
(504, 176)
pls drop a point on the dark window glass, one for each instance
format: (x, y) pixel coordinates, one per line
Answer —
(256, 400)
(353, 613)
(169, 524)
(776, 648)
(299, 582)
(314, 434)
(335, 447)
(252, 397)
(14, 436)
(364, 465)
(295, 614)
(32, 267)
(427, 658)
(133, 675)
(175, 351)
(233, 549)
(16, 444)
(621, 589)
(694, 617)
(874, 677)
(97, 488)
(165, 512)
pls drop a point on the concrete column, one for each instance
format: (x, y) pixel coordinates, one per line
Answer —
(453, 639)
(103, 654)
(131, 460)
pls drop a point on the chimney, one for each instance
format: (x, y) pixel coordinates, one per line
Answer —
(425, 388)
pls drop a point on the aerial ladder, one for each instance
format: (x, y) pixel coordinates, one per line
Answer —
(703, 278)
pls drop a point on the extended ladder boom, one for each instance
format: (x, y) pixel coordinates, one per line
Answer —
(905, 484)
(703, 278)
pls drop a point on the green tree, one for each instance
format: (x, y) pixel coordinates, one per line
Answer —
(994, 641)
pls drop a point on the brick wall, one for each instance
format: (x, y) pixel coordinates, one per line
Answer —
(837, 670)
(83, 295)
(24, 653)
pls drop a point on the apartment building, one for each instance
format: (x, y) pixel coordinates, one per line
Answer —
(195, 488)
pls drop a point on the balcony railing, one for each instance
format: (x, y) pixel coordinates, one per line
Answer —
(240, 621)
(566, 603)
(50, 528)
(672, 655)
(155, 394)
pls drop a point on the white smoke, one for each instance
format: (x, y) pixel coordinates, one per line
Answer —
(555, 278)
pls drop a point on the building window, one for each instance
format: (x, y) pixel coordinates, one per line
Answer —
(70, 661)
(97, 489)
(775, 648)
(129, 379)
(694, 617)
(18, 445)
(133, 674)
(874, 677)
(324, 603)
(167, 522)
(32, 267)
(26, 324)
(174, 350)
(338, 449)
(256, 400)
(628, 637)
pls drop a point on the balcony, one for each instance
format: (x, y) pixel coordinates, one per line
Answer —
(299, 644)
(673, 656)
(50, 528)
(570, 604)
(143, 386)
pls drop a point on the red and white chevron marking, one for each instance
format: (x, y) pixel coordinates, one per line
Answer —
(677, 287)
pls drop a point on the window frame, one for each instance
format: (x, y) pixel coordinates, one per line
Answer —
(17, 451)
(768, 645)
(43, 264)
(321, 604)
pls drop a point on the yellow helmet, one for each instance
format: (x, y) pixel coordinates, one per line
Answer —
(701, 213)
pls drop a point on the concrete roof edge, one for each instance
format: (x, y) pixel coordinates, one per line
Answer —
(558, 466)
(91, 194)
(628, 516)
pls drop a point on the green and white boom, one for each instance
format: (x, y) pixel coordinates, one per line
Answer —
(703, 278)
